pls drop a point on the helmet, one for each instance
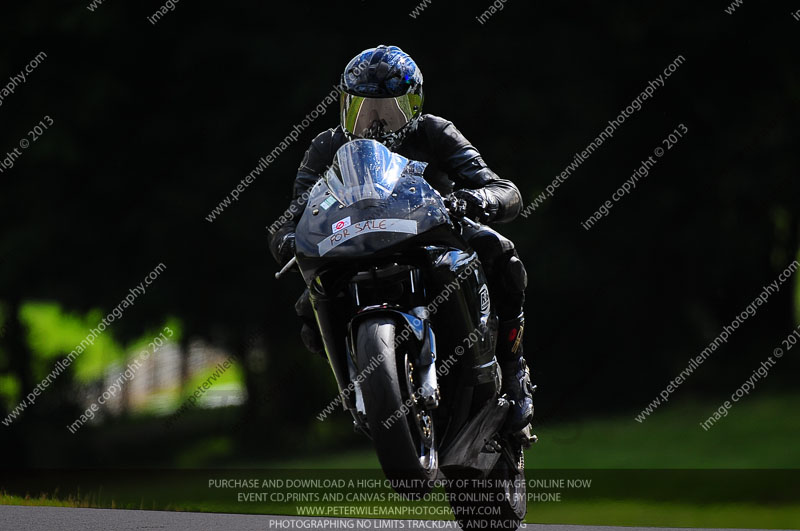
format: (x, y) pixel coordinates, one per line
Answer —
(382, 95)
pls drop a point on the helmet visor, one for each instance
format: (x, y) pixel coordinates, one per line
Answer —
(372, 117)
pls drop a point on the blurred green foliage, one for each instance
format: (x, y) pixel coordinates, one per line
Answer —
(53, 333)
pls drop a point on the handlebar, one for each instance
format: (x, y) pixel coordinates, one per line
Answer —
(286, 268)
(468, 221)
(457, 212)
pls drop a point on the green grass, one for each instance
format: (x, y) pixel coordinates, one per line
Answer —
(759, 432)
(42, 501)
(665, 472)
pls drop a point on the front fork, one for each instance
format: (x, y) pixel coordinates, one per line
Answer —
(423, 374)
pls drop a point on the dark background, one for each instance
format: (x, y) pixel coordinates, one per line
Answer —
(154, 125)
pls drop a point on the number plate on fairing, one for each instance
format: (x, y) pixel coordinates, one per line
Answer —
(405, 226)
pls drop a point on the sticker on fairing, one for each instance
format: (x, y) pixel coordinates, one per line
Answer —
(325, 205)
(485, 301)
(340, 236)
(341, 224)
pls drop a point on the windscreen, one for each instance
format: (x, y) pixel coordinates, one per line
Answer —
(364, 169)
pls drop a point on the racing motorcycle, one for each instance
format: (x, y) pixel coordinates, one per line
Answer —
(409, 329)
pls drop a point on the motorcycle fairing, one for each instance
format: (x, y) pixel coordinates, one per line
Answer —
(333, 228)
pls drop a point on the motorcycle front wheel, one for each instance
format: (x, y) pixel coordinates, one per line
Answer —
(402, 432)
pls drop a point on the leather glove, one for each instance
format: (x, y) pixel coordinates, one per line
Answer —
(475, 204)
(286, 249)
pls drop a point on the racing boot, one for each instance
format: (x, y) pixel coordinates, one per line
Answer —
(516, 376)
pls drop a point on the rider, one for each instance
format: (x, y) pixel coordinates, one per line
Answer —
(382, 100)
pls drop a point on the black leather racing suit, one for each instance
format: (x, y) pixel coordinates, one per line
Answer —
(453, 163)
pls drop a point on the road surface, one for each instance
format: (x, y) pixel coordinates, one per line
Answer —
(15, 518)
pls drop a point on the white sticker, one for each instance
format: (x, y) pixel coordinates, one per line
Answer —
(341, 224)
(327, 203)
(347, 232)
(485, 301)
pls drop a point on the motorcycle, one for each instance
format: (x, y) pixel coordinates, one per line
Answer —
(409, 329)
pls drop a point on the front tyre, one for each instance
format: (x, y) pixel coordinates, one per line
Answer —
(403, 433)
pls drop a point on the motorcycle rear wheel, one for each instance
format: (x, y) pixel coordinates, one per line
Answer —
(499, 502)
